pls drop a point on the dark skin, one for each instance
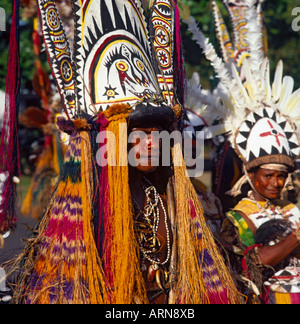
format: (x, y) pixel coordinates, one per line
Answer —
(146, 149)
(143, 148)
(268, 185)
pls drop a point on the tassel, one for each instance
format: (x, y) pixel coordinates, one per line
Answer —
(179, 69)
(97, 284)
(39, 193)
(47, 170)
(203, 277)
(9, 146)
(58, 153)
(101, 225)
(26, 205)
(121, 248)
(62, 264)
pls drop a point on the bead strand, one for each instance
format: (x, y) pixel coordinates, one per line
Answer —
(152, 209)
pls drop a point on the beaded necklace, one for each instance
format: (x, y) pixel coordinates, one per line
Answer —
(146, 226)
(264, 209)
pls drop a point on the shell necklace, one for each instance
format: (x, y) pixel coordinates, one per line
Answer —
(147, 223)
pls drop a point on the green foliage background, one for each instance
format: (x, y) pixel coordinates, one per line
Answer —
(283, 42)
(26, 48)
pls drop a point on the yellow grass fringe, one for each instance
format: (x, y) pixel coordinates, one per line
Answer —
(97, 284)
(191, 285)
(127, 280)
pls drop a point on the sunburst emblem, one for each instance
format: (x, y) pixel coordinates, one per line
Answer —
(110, 92)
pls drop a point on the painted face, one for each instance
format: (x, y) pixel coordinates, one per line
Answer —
(145, 149)
(268, 183)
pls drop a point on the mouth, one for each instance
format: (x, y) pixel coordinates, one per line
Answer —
(274, 192)
(150, 157)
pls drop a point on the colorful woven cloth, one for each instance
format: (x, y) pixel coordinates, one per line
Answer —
(60, 270)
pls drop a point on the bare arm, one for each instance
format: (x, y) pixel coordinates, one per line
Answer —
(272, 255)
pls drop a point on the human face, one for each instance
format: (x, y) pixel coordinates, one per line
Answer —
(268, 183)
(146, 148)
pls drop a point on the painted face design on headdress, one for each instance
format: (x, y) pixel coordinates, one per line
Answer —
(266, 132)
(126, 73)
(115, 56)
(59, 54)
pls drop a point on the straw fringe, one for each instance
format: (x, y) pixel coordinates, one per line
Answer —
(95, 276)
(121, 246)
(39, 193)
(62, 265)
(203, 277)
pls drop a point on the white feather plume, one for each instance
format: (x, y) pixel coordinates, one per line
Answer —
(254, 38)
(201, 101)
(265, 77)
(239, 93)
(277, 84)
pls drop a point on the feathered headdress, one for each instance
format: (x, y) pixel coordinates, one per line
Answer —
(262, 118)
(235, 49)
(86, 250)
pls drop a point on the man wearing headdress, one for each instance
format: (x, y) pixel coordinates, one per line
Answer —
(116, 232)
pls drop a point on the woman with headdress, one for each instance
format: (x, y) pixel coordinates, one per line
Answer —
(261, 233)
(114, 232)
(263, 228)
(264, 124)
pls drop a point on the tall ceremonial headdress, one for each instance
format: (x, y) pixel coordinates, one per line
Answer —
(112, 61)
(86, 250)
(261, 117)
(235, 48)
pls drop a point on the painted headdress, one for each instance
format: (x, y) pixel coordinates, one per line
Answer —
(234, 49)
(112, 61)
(262, 118)
(86, 249)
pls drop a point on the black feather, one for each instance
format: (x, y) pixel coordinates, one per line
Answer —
(274, 230)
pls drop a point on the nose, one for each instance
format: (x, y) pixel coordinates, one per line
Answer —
(152, 142)
(277, 183)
